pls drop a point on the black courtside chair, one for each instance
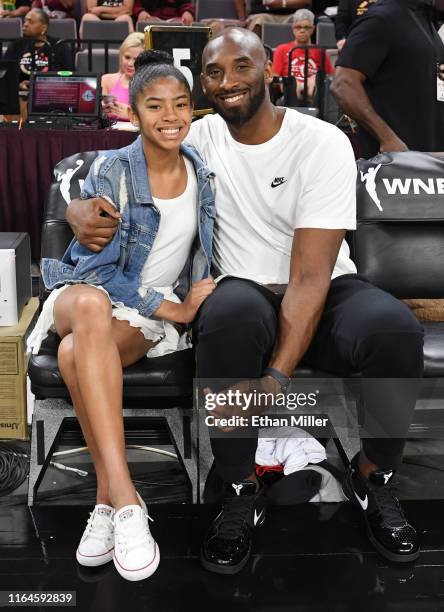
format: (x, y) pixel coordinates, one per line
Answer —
(158, 387)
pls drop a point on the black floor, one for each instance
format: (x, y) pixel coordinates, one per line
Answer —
(307, 557)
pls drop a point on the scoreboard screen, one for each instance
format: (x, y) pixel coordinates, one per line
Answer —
(185, 44)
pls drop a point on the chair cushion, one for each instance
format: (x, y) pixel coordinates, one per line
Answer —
(166, 376)
(172, 375)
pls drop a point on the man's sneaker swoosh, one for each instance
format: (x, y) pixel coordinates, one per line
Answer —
(257, 517)
(362, 502)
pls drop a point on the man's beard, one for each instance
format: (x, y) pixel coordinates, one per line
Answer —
(239, 116)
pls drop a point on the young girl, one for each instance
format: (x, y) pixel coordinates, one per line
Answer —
(115, 86)
(118, 305)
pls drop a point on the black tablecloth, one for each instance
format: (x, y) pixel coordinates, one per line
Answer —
(27, 159)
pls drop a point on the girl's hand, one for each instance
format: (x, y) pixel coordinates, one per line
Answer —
(196, 296)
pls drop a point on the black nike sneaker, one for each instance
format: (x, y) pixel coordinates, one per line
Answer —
(227, 545)
(387, 527)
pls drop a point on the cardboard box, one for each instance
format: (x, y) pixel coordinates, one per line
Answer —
(13, 367)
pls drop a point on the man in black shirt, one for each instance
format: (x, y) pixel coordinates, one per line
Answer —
(348, 12)
(389, 77)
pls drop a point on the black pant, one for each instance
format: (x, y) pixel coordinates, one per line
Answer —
(362, 330)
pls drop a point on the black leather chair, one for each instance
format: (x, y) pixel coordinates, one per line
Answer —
(399, 247)
(163, 384)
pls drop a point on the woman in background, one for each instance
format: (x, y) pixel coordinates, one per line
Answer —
(114, 10)
(115, 85)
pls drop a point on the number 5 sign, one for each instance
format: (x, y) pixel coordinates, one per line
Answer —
(185, 44)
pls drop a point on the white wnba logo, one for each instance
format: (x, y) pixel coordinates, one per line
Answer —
(370, 184)
(65, 180)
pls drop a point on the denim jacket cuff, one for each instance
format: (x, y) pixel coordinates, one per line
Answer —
(150, 302)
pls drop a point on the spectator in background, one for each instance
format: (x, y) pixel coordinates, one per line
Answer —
(15, 8)
(115, 10)
(36, 52)
(303, 28)
(55, 9)
(268, 11)
(165, 10)
(115, 86)
(348, 12)
(388, 78)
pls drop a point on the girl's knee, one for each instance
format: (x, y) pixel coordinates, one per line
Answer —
(92, 308)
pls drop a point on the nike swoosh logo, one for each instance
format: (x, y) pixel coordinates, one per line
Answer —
(387, 477)
(363, 502)
(257, 517)
(278, 182)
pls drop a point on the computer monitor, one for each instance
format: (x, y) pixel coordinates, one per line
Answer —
(64, 95)
(9, 87)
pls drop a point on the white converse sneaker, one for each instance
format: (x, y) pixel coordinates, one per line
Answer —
(97, 542)
(136, 554)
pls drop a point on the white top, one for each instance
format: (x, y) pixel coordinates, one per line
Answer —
(305, 176)
(174, 238)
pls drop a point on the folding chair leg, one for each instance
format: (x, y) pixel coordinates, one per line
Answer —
(48, 417)
(182, 425)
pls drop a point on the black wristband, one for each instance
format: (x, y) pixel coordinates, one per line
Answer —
(283, 380)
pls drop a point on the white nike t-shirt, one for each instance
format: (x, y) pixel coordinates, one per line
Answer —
(305, 176)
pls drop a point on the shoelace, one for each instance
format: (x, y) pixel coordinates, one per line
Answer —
(234, 515)
(133, 536)
(98, 526)
(389, 506)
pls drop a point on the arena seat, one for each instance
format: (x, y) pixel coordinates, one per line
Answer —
(274, 34)
(105, 30)
(98, 63)
(325, 34)
(164, 383)
(10, 29)
(400, 248)
(65, 29)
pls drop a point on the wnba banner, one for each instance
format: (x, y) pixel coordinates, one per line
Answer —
(185, 45)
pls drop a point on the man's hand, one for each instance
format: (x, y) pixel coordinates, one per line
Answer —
(340, 44)
(187, 18)
(5, 13)
(94, 222)
(441, 72)
(96, 10)
(392, 144)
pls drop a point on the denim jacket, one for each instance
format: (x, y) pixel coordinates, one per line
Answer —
(121, 176)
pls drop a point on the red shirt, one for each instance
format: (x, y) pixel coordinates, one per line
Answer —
(280, 61)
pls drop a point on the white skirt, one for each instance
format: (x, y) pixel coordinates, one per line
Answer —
(163, 332)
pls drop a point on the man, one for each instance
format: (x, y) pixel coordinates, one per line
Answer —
(268, 11)
(389, 78)
(303, 28)
(348, 12)
(285, 194)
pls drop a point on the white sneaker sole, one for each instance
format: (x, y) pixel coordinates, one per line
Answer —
(94, 560)
(140, 573)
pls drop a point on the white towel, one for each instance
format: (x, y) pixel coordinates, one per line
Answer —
(289, 449)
